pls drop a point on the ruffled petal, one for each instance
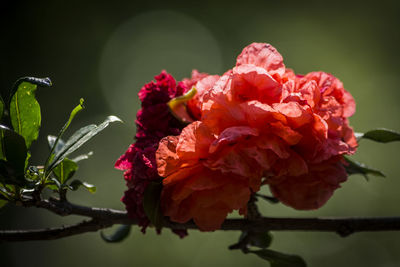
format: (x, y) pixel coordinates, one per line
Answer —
(264, 56)
(311, 190)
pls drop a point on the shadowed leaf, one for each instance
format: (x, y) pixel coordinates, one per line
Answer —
(3, 203)
(260, 240)
(1, 108)
(151, 204)
(278, 259)
(76, 184)
(355, 167)
(14, 149)
(380, 135)
(119, 235)
(2, 152)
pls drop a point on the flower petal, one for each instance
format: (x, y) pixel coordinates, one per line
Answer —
(264, 56)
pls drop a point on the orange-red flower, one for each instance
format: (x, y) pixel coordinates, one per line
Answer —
(202, 82)
(260, 124)
(194, 190)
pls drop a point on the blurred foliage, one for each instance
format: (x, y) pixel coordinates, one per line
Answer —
(105, 51)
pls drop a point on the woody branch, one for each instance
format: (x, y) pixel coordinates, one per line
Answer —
(100, 218)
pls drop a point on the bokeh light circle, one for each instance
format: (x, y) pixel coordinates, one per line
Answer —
(146, 44)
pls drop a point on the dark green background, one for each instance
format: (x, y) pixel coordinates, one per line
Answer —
(105, 51)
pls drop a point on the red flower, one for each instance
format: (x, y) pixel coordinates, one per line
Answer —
(260, 124)
(154, 121)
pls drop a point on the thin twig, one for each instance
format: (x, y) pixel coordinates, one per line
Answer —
(53, 233)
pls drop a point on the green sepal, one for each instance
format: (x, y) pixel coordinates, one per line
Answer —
(151, 204)
(119, 235)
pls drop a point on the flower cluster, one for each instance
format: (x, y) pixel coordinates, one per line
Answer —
(259, 123)
(154, 121)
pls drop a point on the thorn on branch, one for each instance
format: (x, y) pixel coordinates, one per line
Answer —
(344, 230)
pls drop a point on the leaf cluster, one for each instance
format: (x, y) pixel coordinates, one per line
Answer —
(20, 119)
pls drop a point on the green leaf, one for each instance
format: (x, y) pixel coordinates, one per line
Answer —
(25, 110)
(79, 138)
(3, 203)
(278, 259)
(7, 191)
(33, 173)
(380, 135)
(2, 152)
(43, 82)
(1, 108)
(75, 111)
(83, 157)
(51, 139)
(151, 204)
(53, 184)
(55, 142)
(119, 235)
(8, 174)
(62, 153)
(355, 167)
(14, 149)
(28, 157)
(261, 240)
(75, 184)
(65, 170)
